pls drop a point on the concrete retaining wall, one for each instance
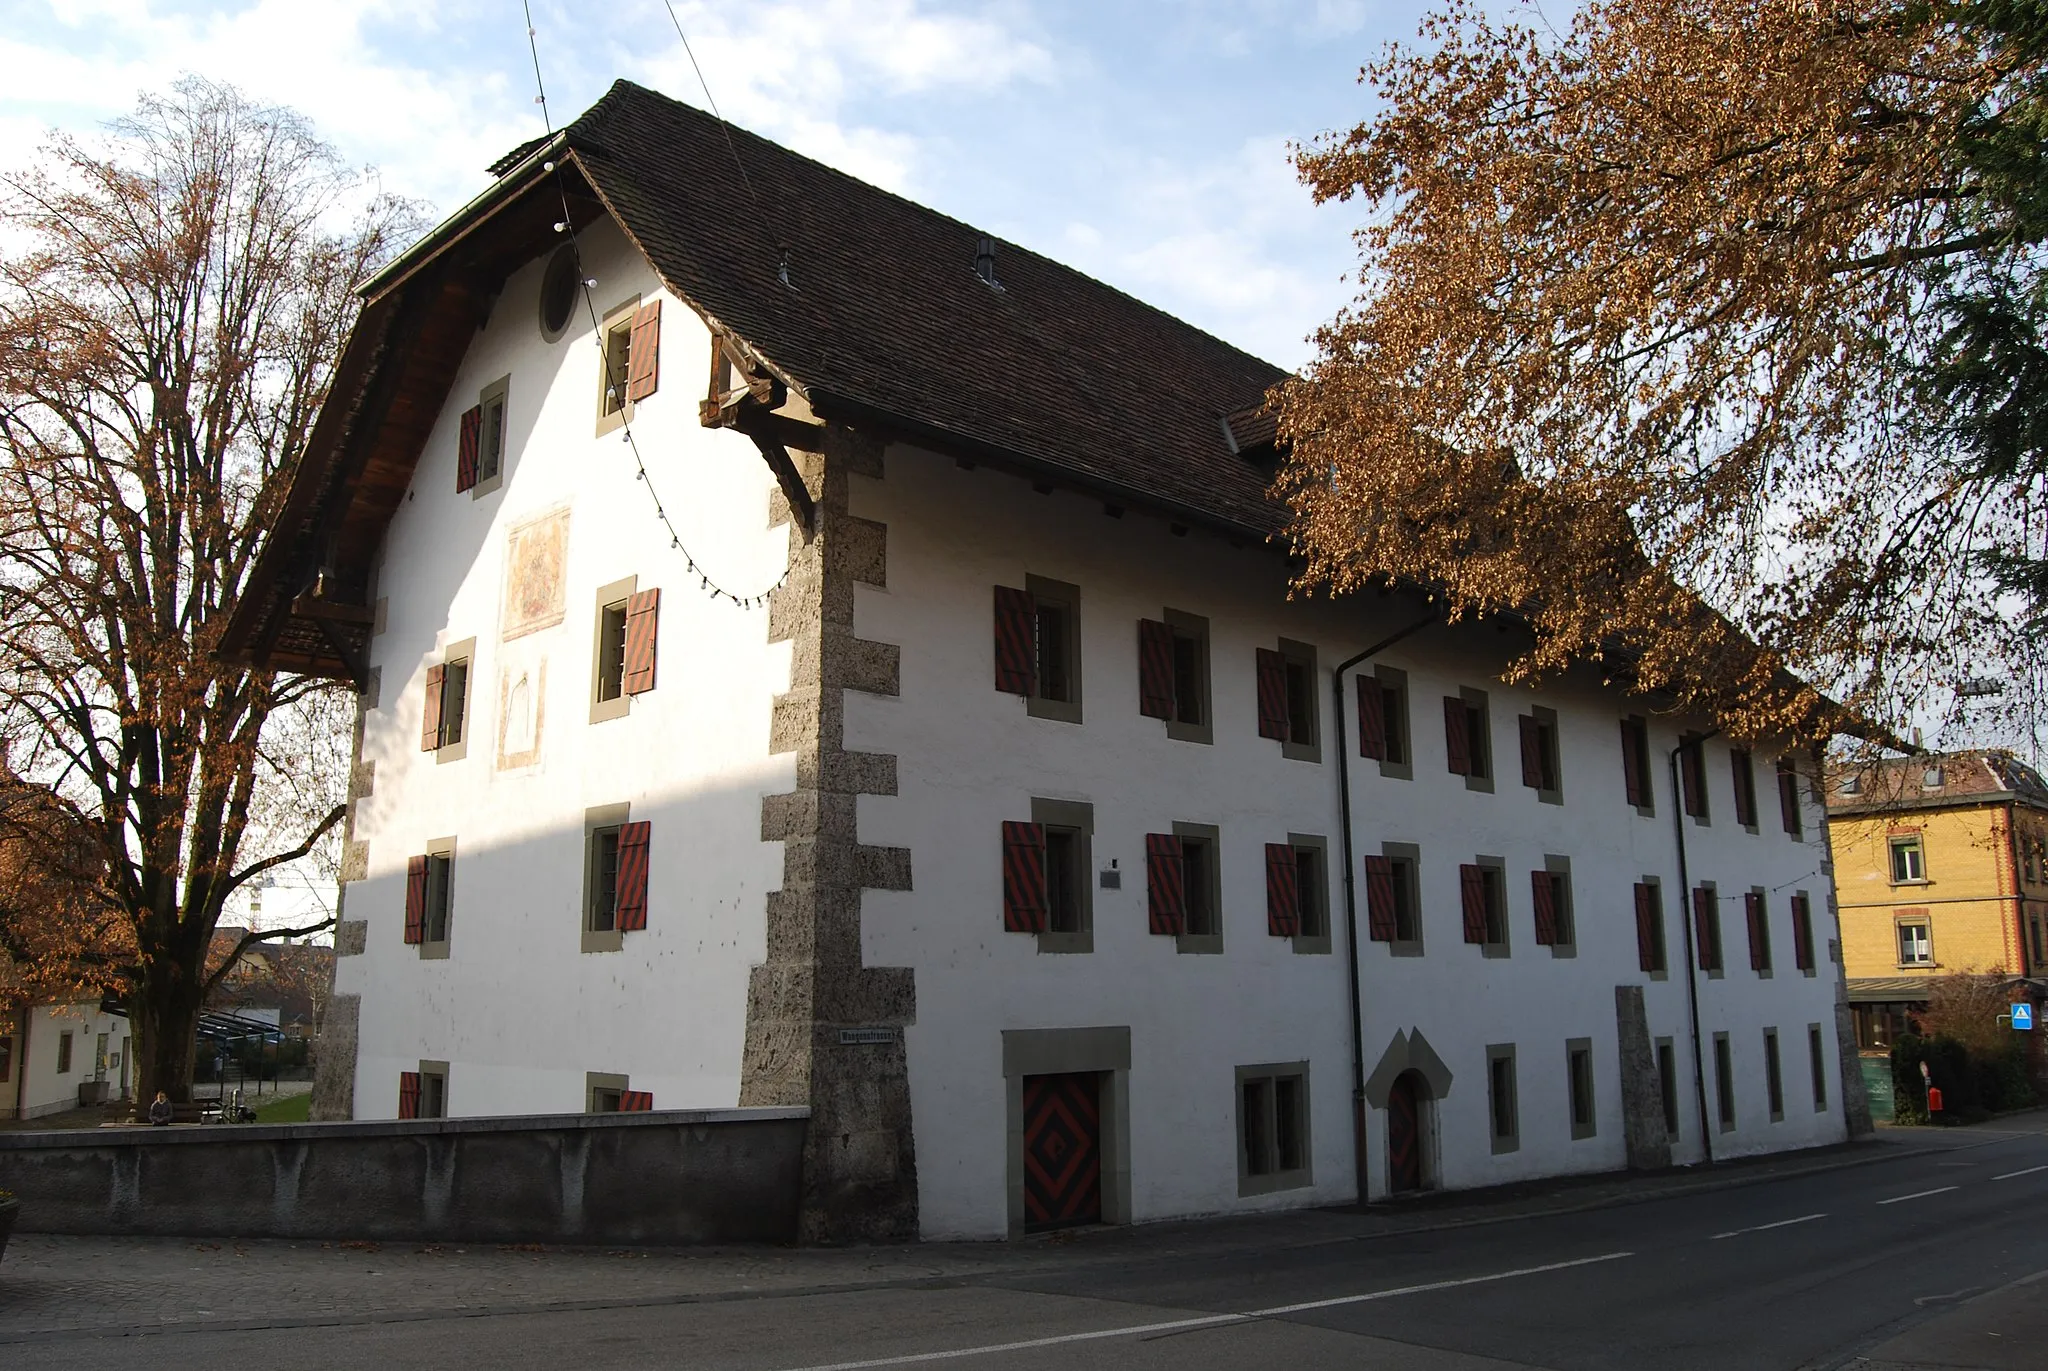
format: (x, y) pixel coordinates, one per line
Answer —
(680, 1177)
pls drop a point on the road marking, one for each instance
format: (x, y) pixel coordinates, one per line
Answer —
(1921, 1194)
(1205, 1321)
(2028, 1172)
(1766, 1227)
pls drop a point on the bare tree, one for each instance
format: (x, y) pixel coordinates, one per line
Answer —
(167, 332)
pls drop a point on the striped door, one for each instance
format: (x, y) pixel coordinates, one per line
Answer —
(1404, 1135)
(1062, 1150)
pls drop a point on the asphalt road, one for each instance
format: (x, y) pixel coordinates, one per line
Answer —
(1912, 1259)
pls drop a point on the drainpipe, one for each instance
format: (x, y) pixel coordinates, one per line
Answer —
(1351, 894)
(1692, 961)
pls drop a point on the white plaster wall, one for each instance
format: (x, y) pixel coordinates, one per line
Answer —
(970, 757)
(47, 1090)
(519, 1012)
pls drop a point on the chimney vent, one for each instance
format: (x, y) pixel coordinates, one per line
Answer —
(985, 261)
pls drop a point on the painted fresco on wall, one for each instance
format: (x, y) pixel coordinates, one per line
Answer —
(536, 574)
(522, 710)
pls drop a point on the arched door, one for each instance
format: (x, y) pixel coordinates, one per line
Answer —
(1404, 1132)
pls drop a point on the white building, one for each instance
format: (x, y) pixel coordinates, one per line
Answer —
(55, 1057)
(1006, 832)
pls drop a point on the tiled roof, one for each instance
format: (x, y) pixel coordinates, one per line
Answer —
(884, 312)
(1971, 777)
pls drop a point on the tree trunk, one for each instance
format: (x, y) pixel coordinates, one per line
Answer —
(164, 1009)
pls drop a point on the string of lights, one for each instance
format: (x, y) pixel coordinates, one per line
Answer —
(566, 225)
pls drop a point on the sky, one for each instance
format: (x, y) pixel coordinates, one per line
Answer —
(1142, 141)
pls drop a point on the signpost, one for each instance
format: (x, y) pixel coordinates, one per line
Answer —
(2023, 1018)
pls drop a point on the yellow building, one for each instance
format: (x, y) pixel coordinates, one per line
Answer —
(1941, 866)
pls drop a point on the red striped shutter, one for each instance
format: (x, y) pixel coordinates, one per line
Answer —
(1802, 932)
(643, 615)
(635, 1101)
(1532, 752)
(1016, 622)
(1155, 669)
(1544, 888)
(1759, 946)
(1166, 895)
(1458, 735)
(643, 352)
(1272, 694)
(1632, 763)
(632, 897)
(467, 448)
(1472, 891)
(1283, 892)
(1381, 925)
(1646, 926)
(1704, 944)
(1372, 719)
(430, 710)
(415, 899)
(408, 1094)
(1023, 878)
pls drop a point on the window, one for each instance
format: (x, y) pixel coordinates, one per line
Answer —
(1706, 919)
(1297, 892)
(560, 286)
(618, 361)
(1539, 754)
(616, 852)
(480, 450)
(628, 629)
(1483, 897)
(1383, 721)
(1667, 1084)
(1916, 946)
(1393, 898)
(433, 1091)
(1551, 892)
(64, 1053)
(1635, 764)
(1650, 947)
(605, 1093)
(1724, 1082)
(1909, 860)
(1502, 1116)
(1038, 647)
(1788, 797)
(6, 1057)
(1046, 865)
(1173, 674)
(1287, 699)
(1467, 749)
(1774, 1081)
(632, 358)
(439, 895)
(1692, 776)
(444, 717)
(611, 651)
(1802, 932)
(1202, 930)
(1743, 771)
(1578, 1056)
(1272, 1128)
(1817, 1062)
(1757, 915)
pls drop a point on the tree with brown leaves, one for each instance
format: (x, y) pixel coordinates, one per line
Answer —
(1693, 311)
(167, 330)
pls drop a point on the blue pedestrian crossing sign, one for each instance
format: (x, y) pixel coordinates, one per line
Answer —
(2023, 1016)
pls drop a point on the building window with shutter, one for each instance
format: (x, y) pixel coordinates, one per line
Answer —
(430, 1091)
(1482, 896)
(444, 715)
(1540, 761)
(1286, 697)
(615, 863)
(606, 1093)
(1706, 928)
(1742, 768)
(1038, 647)
(1297, 892)
(480, 446)
(623, 654)
(1383, 733)
(1638, 784)
(1756, 915)
(1393, 898)
(631, 371)
(1047, 865)
(1651, 956)
(1173, 675)
(1468, 744)
(1788, 797)
(1578, 1064)
(430, 898)
(1550, 891)
(1272, 1128)
(1502, 1108)
(1201, 880)
(1692, 777)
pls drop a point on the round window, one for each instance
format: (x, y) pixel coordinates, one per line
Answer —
(558, 289)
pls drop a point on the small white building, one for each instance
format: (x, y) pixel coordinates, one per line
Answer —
(912, 722)
(55, 1057)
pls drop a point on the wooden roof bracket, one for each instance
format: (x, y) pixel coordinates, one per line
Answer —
(743, 398)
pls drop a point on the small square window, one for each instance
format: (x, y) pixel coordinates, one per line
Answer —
(1909, 861)
(1272, 1128)
(1916, 945)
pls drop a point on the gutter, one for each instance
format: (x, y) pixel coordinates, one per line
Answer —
(1692, 961)
(1351, 894)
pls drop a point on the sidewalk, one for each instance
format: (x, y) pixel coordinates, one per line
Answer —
(51, 1283)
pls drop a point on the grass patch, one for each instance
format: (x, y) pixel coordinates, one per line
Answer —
(285, 1109)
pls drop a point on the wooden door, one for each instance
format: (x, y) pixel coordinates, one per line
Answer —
(1404, 1134)
(1062, 1150)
